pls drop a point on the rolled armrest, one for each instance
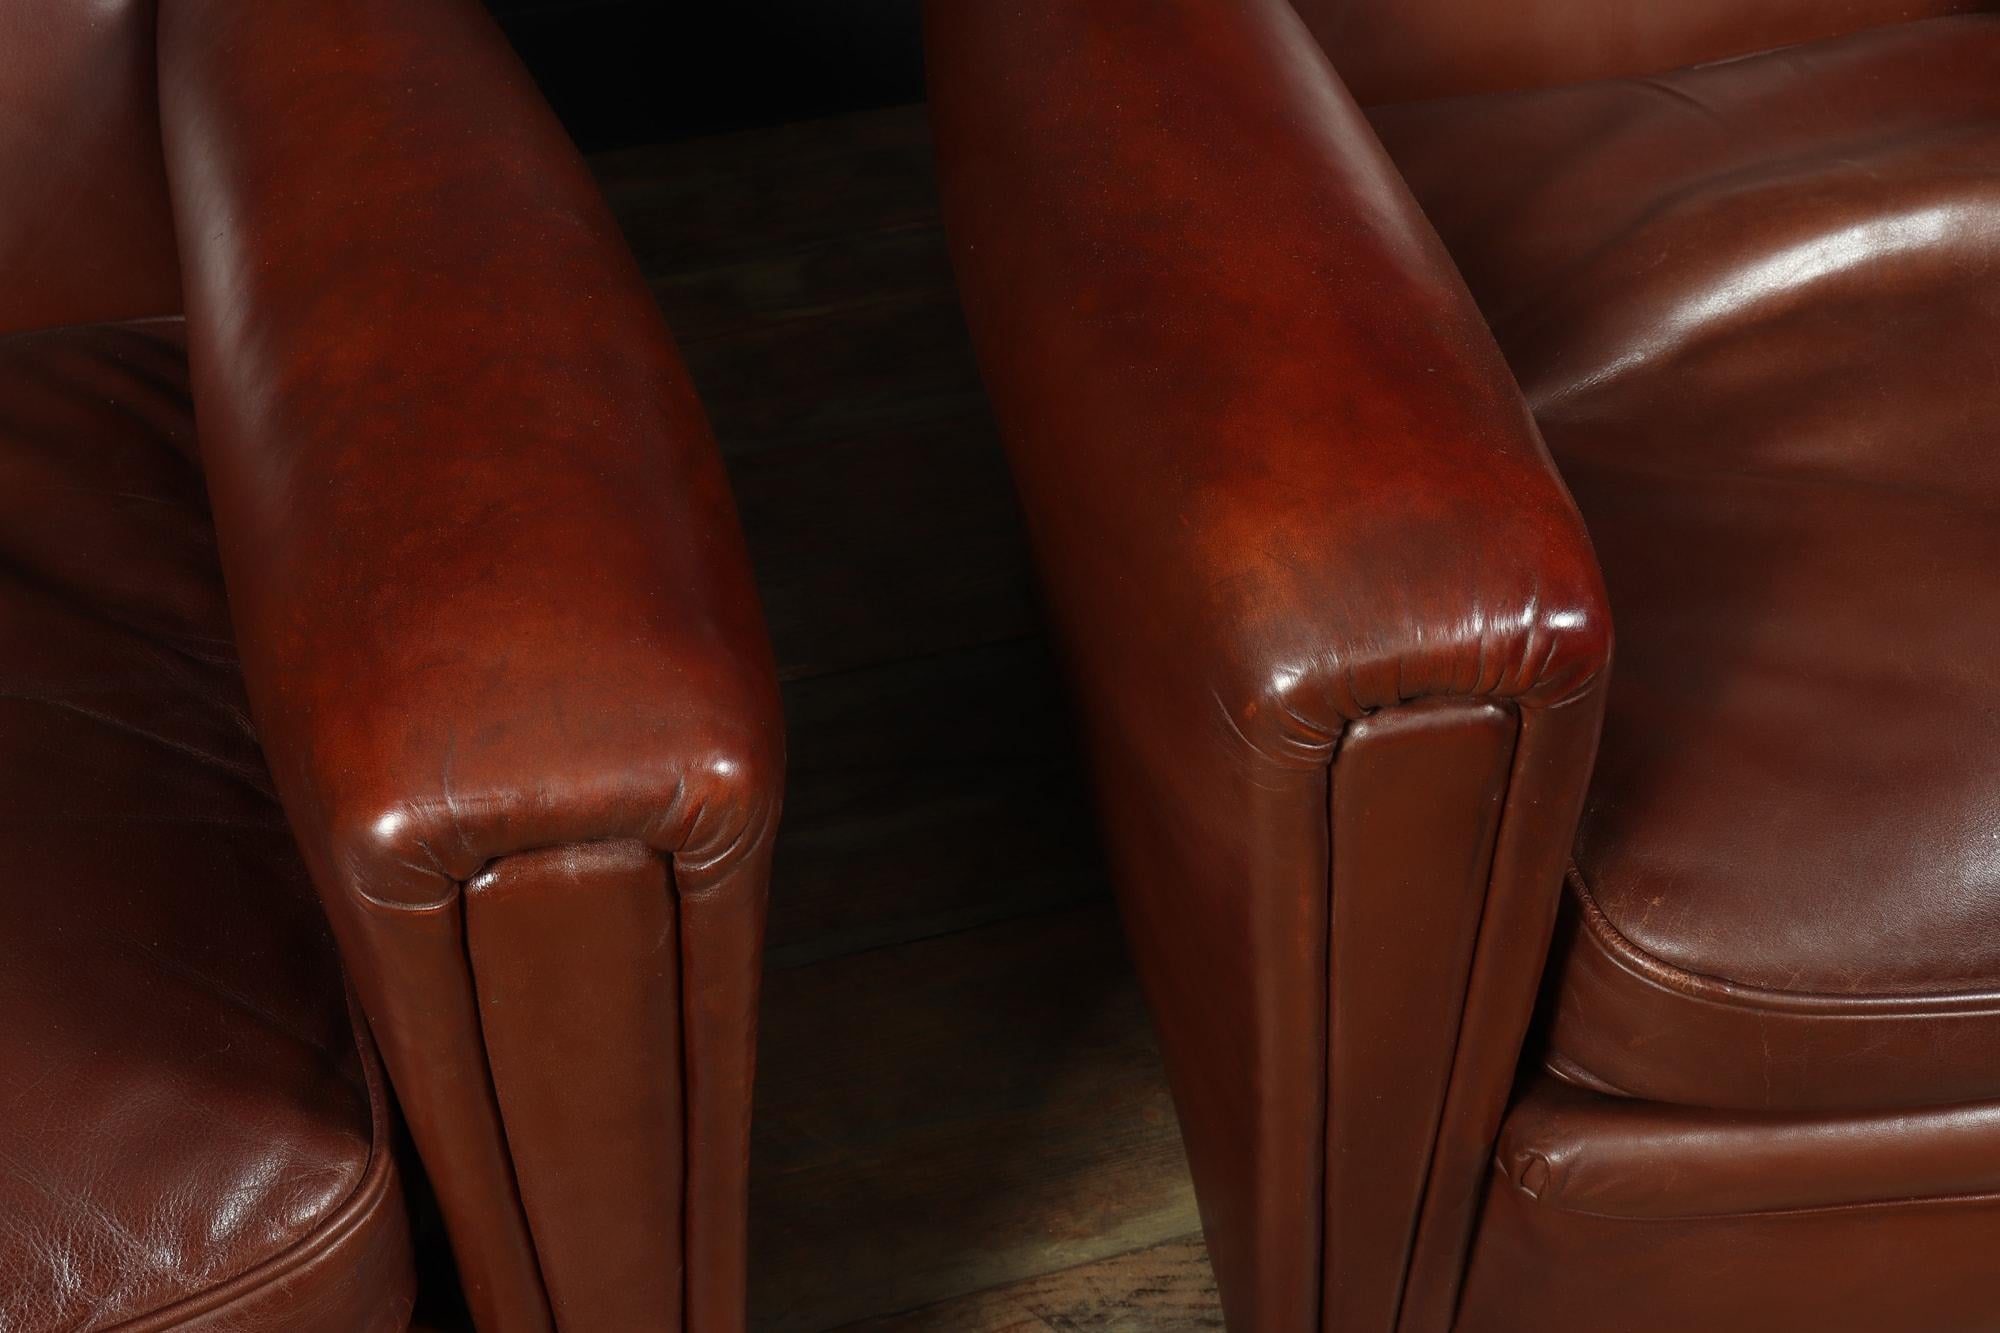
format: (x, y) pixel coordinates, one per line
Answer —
(499, 634)
(1336, 630)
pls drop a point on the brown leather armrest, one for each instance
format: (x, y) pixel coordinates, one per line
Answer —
(1239, 373)
(498, 629)
(1336, 628)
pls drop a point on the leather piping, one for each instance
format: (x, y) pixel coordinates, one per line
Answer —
(460, 890)
(680, 1014)
(1325, 1203)
(1737, 995)
(1513, 706)
(1569, 1071)
(1452, 1085)
(1859, 1205)
(353, 1213)
(686, 1082)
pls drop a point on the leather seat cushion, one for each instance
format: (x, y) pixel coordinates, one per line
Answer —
(1604, 1213)
(1755, 306)
(189, 1134)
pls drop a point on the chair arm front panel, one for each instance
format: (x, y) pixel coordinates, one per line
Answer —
(501, 642)
(1336, 632)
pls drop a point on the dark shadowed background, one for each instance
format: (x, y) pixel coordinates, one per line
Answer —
(637, 71)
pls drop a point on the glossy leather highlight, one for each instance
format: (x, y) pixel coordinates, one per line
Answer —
(192, 1136)
(489, 609)
(1405, 50)
(492, 600)
(1751, 306)
(1164, 217)
(1259, 437)
(1608, 1213)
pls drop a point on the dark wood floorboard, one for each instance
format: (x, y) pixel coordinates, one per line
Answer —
(926, 796)
(1163, 1288)
(689, 206)
(961, 1118)
(898, 542)
(952, 1114)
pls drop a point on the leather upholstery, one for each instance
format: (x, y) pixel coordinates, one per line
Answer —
(1607, 1213)
(190, 1135)
(1162, 215)
(1282, 496)
(84, 230)
(492, 603)
(1753, 307)
(1402, 50)
(496, 631)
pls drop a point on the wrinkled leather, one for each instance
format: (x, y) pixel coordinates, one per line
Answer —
(189, 1136)
(495, 623)
(1584, 1152)
(1753, 307)
(1284, 498)
(545, 1031)
(84, 229)
(491, 600)
(1398, 50)
(1607, 1213)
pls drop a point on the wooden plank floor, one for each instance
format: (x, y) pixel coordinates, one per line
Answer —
(961, 1119)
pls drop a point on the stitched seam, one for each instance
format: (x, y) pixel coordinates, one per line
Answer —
(1465, 996)
(1326, 1032)
(686, 1084)
(680, 1014)
(78, 326)
(463, 888)
(1809, 1210)
(353, 1212)
(1720, 991)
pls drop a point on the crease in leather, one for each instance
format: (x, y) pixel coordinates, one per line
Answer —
(685, 822)
(1442, 1243)
(374, 1187)
(97, 430)
(44, 330)
(1724, 993)
(681, 1073)
(454, 887)
(1452, 1077)
(1453, 1087)
(1859, 1205)
(1324, 1133)
(77, 600)
(1269, 622)
(1566, 1070)
(491, 1093)
(686, 1076)
(674, 829)
(329, 1059)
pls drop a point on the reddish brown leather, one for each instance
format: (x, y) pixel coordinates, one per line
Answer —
(1395, 50)
(1584, 1152)
(84, 231)
(1605, 1213)
(189, 1136)
(492, 601)
(1753, 306)
(1285, 498)
(580, 1109)
(1416, 800)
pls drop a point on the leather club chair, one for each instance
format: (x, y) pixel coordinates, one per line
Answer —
(1297, 396)
(514, 712)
